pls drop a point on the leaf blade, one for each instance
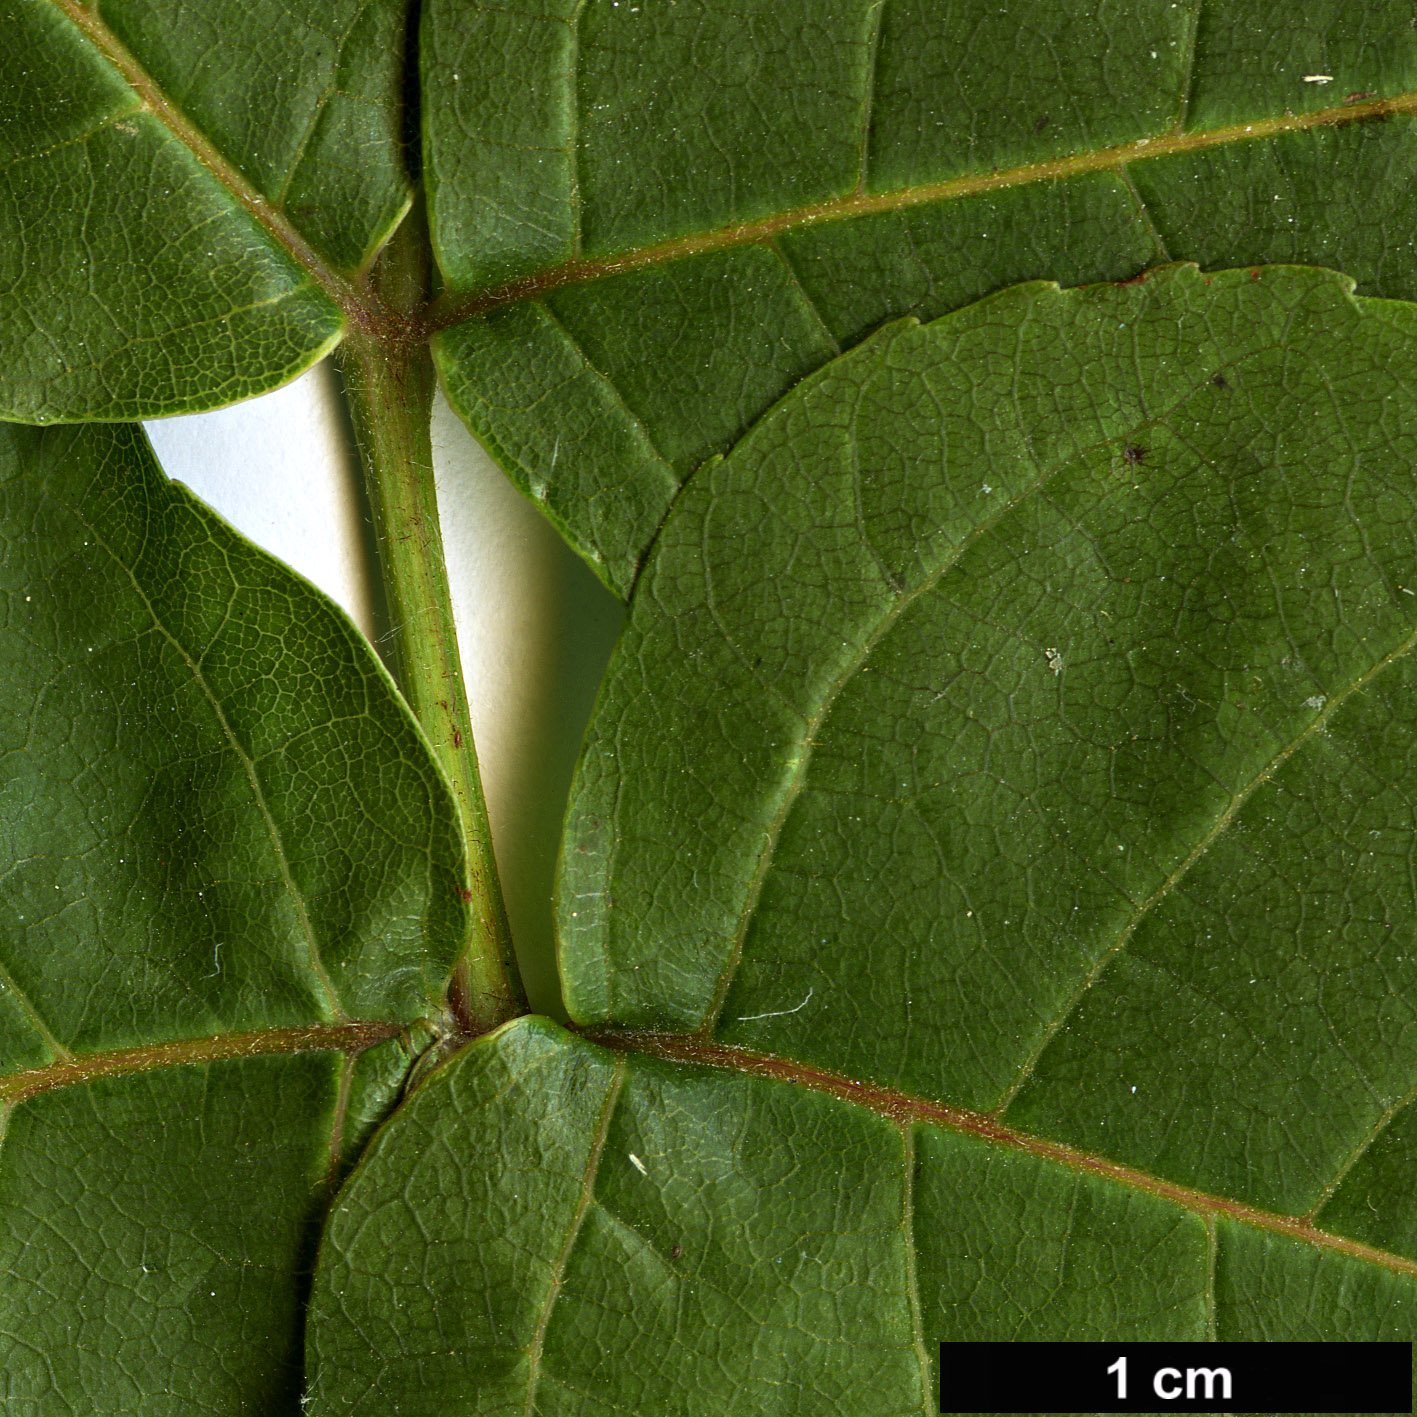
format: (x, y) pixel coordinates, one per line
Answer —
(996, 604)
(306, 107)
(702, 1278)
(192, 654)
(202, 1182)
(973, 183)
(154, 268)
(234, 886)
(589, 1246)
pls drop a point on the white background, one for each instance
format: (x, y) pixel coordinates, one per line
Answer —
(536, 627)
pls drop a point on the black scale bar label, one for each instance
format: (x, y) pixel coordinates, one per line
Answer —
(1176, 1377)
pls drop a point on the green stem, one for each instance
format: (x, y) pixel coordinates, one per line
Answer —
(389, 384)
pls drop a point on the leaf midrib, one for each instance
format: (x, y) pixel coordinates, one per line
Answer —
(356, 302)
(349, 1038)
(904, 1108)
(893, 1104)
(455, 309)
(363, 307)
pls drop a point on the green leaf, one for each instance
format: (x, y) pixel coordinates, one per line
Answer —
(183, 195)
(231, 867)
(305, 106)
(684, 1239)
(726, 196)
(989, 853)
(1017, 717)
(985, 900)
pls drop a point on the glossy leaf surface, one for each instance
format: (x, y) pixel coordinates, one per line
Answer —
(699, 243)
(231, 866)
